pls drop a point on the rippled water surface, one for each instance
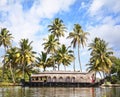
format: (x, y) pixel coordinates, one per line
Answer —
(59, 92)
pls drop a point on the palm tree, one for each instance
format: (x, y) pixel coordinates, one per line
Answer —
(44, 61)
(10, 60)
(28, 69)
(93, 68)
(57, 28)
(26, 54)
(64, 56)
(5, 41)
(51, 45)
(79, 37)
(100, 56)
(5, 38)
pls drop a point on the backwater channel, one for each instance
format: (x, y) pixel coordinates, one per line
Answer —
(18, 91)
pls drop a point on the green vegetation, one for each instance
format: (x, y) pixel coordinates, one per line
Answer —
(100, 57)
(103, 61)
(115, 71)
(21, 61)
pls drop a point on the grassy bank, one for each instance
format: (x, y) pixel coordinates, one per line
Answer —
(8, 84)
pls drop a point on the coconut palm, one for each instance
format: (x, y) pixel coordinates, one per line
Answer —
(10, 60)
(27, 55)
(79, 37)
(51, 44)
(57, 28)
(28, 70)
(64, 56)
(5, 41)
(93, 68)
(5, 38)
(44, 61)
(100, 56)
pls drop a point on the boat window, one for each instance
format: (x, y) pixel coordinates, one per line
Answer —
(60, 79)
(33, 79)
(68, 79)
(54, 79)
(49, 79)
(73, 79)
(36, 78)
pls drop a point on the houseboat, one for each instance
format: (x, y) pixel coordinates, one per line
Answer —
(62, 79)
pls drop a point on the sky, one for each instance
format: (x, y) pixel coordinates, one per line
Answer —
(30, 18)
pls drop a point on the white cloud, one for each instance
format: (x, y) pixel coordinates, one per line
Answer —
(26, 24)
(105, 21)
(48, 8)
(108, 32)
(83, 5)
(112, 5)
(3, 2)
(104, 6)
(64, 40)
(95, 7)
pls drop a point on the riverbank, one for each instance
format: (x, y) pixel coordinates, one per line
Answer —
(9, 84)
(110, 85)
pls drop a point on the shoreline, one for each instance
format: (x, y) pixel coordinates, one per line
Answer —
(9, 84)
(110, 85)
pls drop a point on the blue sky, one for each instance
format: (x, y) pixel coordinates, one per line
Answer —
(29, 19)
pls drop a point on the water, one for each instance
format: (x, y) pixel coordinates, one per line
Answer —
(59, 92)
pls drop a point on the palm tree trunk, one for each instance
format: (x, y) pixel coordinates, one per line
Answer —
(95, 75)
(3, 68)
(44, 68)
(12, 73)
(79, 58)
(23, 72)
(74, 62)
(58, 67)
(53, 63)
(28, 75)
(65, 67)
(100, 75)
(104, 75)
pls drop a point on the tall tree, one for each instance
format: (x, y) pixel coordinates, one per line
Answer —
(28, 70)
(100, 56)
(79, 37)
(11, 61)
(27, 55)
(57, 28)
(51, 45)
(5, 38)
(64, 56)
(44, 61)
(5, 41)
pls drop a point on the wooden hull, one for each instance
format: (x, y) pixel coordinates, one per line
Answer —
(59, 84)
